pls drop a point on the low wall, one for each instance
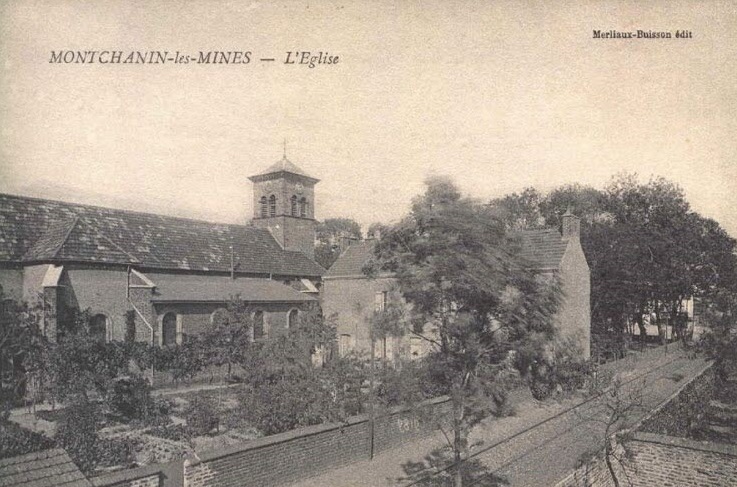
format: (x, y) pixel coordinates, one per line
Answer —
(295, 455)
(679, 415)
(664, 460)
(159, 475)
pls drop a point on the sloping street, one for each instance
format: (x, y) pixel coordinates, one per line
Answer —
(536, 447)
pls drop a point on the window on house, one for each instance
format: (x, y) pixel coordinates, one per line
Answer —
(169, 330)
(264, 207)
(292, 318)
(294, 205)
(303, 207)
(380, 301)
(345, 345)
(258, 325)
(415, 347)
(272, 205)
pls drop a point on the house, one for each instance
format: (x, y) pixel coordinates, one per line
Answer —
(353, 297)
(41, 469)
(158, 278)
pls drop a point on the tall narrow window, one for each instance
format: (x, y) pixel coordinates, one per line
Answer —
(380, 301)
(272, 205)
(169, 330)
(292, 318)
(98, 328)
(258, 325)
(303, 207)
(345, 345)
(294, 206)
(264, 207)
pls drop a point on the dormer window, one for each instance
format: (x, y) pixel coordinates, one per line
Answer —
(303, 207)
(272, 205)
(294, 206)
(264, 207)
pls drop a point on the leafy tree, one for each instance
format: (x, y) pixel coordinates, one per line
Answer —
(329, 232)
(519, 211)
(229, 338)
(469, 294)
(77, 433)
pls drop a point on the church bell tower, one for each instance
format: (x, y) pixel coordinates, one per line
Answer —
(284, 202)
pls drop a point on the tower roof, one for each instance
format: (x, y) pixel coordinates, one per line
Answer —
(282, 166)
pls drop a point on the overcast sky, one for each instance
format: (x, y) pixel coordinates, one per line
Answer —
(499, 96)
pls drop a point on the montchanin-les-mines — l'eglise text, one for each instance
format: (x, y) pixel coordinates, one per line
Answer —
(309, 59)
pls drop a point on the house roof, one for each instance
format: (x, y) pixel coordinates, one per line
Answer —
(283, 165)
(47, 468)
(352, 260)
(543, 249)
(33, 230)
(176, 288)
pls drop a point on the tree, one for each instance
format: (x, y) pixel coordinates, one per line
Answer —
(469, 295)
(229, 338)
(329, 232)
(619, 405)
(519, 211)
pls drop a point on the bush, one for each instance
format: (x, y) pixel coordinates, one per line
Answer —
(201, 416)
(130, 397)
(77, 434)
(16, 440)
(115, 452)
(174, 432)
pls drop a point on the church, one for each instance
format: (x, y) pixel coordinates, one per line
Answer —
(156, 278)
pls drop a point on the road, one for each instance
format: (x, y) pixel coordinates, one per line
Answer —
(538, 446)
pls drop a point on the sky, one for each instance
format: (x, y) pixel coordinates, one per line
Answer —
(498, 95)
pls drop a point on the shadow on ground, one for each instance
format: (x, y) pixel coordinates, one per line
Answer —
(436, 470)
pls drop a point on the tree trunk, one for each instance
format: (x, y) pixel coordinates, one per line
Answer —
(457, 441)
(609, 466)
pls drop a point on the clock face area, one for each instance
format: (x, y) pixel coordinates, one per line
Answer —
(299, 189)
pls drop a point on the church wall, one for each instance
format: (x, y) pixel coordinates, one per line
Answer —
(11, 281)
(196, 318)
(33, 276)
(102, 290)
(574, 315)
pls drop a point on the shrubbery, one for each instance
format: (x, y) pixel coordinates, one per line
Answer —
(201, 416)
(16, 440)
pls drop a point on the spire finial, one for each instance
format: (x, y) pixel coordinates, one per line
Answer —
(285, 147)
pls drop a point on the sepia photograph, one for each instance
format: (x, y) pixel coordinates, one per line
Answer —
(432, 243)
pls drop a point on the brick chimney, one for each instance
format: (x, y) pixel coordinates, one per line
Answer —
(571, 227)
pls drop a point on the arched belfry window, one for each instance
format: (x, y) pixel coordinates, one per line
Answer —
(264, 207)
(98, 328)
(294, 206)
(303, 207)
(272, 205)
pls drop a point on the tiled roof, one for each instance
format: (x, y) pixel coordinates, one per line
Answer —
(47, 468)
(352, 260)
(543, 248)
(33, 229)
(284, 165)
(193, 288)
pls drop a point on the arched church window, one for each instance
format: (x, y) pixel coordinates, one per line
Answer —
(258, 325)
(272, 205)
(303, 207)
(264, 207)
(294, 206)
(98, 328)
(169, 329)
(292, 318)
